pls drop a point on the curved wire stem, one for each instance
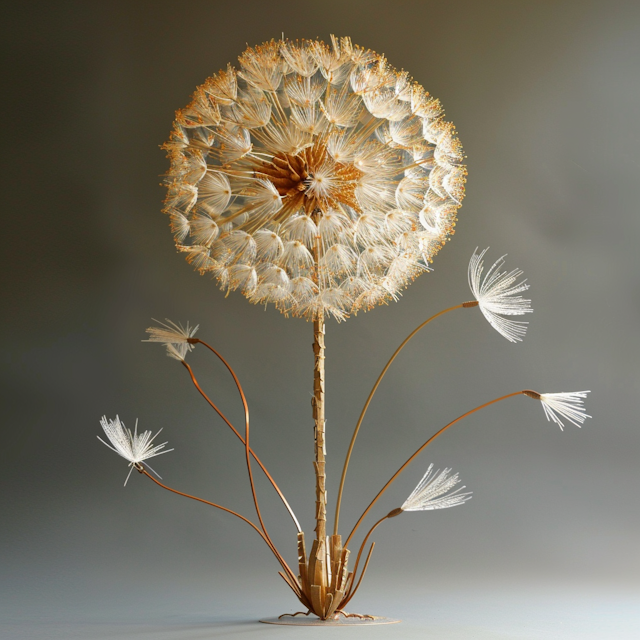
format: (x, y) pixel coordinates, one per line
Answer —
(268, 542)
(246, 435)
(352, 592)
(224, 418)
(364, 570)
(247, 449)
(368, 402)
(426, 444)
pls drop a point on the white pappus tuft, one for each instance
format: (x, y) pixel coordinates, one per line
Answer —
(431, 492)
(174, 336)
(569, 406)
(497, 296)
(134, 447)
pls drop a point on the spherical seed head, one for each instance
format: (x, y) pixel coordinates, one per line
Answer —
(317, 178)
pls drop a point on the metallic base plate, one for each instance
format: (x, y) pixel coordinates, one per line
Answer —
(312, 621)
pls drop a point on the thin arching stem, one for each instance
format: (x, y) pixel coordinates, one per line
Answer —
(426, 444)
(344, 603)
(248, 454)
(247, 448)
(284, 565)
(368, 402)
(246, 431)
(362, 546)
(224, 418)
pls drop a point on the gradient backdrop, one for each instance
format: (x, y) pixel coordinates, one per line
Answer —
(546, 98)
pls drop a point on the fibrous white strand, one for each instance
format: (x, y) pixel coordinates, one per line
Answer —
(304, 91)
(432, 492)
(374, 295)
(284, 138)
(366, 80)
(264, 198)
(309, 119)
(397, 222)
(437, 178)
(178, 351)
(497, 295)
(338, 259)
(214, 191)
(331, 226)
(301, 228)
(273, 285)
(354, 286)
(303, 289)
(372, 259)
(190, 167)
(262, 66)
(179, 226)
(299, 57)
(434, 130)
(268, 244)
(341, 147)
(198, 255)
(370, 229)
(335, 302)
(203, 111)
(454, 182)
(324, 182)
(448, 153)
(341, 108)
(252, 110)
(568, 406)
(203, 229)
(134, 447)
(378, 160)
(296, 258)
(334, 64)
(244, 277)
(178, 139)
(223, 86)
(403, 86)
(180, 197)
(375, 193)
(237, 246)
(169, 332)
(425, 106)
(235, 143)
(383, 103)
(410, 194)
(406, 133)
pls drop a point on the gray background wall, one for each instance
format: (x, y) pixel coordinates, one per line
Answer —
(545, 96)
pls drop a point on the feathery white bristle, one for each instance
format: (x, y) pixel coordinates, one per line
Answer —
(178, 351)
(431, 492)
(569, 406)
(169, 332)
(497, 296)
(134, 447)
(174, 336)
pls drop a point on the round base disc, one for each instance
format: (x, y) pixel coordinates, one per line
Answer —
(312, 621)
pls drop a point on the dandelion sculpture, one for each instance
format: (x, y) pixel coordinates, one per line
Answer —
(321, 180)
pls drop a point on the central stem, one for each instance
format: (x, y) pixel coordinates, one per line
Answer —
(318, 417)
